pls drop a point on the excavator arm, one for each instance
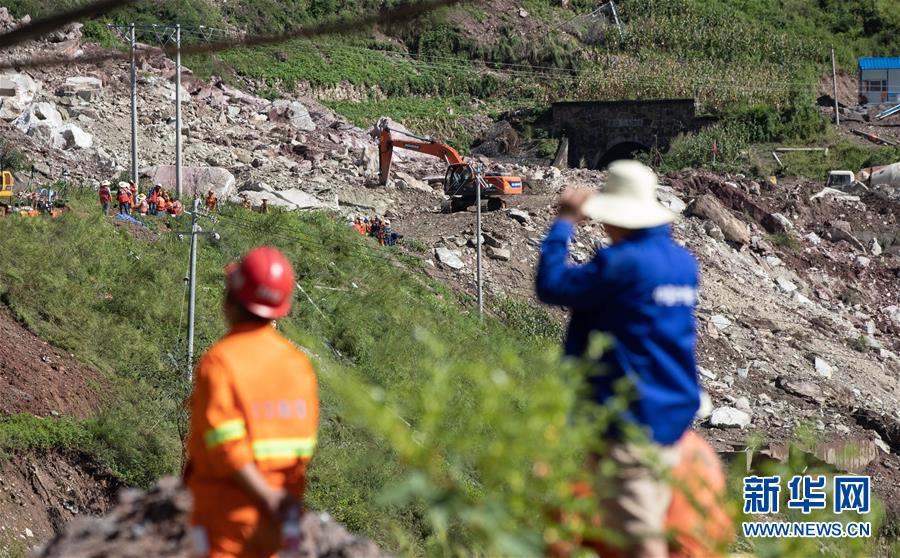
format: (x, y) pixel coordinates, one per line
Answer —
(391, 139)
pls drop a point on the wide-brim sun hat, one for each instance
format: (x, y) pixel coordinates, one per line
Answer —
(628, 199)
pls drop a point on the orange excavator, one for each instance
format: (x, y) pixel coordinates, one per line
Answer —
(461, 178)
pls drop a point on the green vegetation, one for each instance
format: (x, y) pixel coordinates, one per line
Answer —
(118, 303)
(439, 435)
(11, 159)
(785, 241)
(755, 64)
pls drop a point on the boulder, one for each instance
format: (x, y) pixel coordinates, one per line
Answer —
(519, 215)
(729, 417)
(776, 223)
(499, 139)
(84, 87)
(369, 161)
(39, 120)
(840, 230)
(720, 322)
(303, 200)
(708, 207)
(409, 182)
(255, 186)
(362, 199)
(490, 240)
(194, 180)
(801, 388)
(68, 32)
(875, 248)
(668, 198)
(785, 284)
(293, 113)
(502, 254)
(448, 258)
(17, 91)
(70, 136)
(823, 368)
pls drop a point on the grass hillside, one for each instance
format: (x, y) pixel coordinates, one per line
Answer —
(439, 435)
(400, 354)
(736, 57)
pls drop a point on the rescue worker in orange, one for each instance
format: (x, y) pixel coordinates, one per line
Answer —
(211, 201)
(254, 417)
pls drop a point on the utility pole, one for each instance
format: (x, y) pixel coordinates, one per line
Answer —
(478, 184)
(164, 35)
(615, 15)
(192, 284)
(192, 279)
(837, 116)
(178, 191)
(134, 156)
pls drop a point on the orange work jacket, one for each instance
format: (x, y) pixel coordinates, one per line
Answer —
(255, 400)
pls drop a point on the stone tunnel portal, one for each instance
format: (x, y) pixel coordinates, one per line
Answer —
(601, 132)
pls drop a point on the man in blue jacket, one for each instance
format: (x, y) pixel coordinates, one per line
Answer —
(641, 291)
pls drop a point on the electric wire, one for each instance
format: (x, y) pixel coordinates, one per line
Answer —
(58, 20)
(388, 16)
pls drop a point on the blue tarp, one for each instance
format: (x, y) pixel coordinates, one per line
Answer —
(879, 63)
(129, 218)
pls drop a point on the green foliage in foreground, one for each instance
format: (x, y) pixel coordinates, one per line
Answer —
(439, 436)
(118, 304)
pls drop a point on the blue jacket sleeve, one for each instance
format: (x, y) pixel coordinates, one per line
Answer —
(575, 286)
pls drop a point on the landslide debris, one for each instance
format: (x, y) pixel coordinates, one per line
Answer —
(154, 523)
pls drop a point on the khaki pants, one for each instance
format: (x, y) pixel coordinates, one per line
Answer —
(634, 499)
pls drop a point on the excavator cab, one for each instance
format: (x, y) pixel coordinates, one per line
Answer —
(6, 184)
(460, 183)
(460, 180)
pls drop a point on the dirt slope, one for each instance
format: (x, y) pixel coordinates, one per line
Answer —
(40, 379)
(40, 494)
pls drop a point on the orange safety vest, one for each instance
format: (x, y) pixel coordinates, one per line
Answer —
(255, 400)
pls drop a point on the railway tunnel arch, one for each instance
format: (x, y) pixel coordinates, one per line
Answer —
(600, 132)
(626, 149)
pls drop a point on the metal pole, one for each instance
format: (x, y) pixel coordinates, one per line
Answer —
(837, 116)
(478, 246)
(192, 281)
(178, 111)
(616, 19)
(134, 155)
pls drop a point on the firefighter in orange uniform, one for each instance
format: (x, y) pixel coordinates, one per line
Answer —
(254, 416)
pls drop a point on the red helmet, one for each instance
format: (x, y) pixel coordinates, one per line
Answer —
(262, 282)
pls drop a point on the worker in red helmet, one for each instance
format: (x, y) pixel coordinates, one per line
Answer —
(254, 416)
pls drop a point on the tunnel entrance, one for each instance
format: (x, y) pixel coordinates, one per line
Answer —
(624, 150)
(600, 132)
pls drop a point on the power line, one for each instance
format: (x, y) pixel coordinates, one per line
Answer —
(388, 16)
(58, 20)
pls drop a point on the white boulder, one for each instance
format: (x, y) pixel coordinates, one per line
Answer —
(194, 180)
(292, 112)
(729, 417)
(448, 258)
(70, 136)
(17, 91)
(84, 87)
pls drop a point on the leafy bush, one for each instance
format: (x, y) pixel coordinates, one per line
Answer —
(11, 159)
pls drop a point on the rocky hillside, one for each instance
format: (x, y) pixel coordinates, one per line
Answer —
(800, 305)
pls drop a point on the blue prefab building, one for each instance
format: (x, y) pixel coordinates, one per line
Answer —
(879, 80)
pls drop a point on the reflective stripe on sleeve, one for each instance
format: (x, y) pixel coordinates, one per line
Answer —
(283, 448)
(228, 431)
